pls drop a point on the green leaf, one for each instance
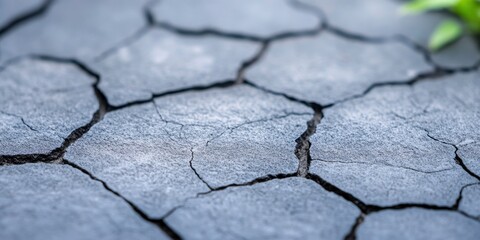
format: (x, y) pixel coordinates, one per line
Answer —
(418, 6)
(447, 32)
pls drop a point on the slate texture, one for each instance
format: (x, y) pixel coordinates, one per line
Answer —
(384, 19)
(291, 208)
(41, 103)
(249, 17)
(75, 29)
(147, 150)
(419, 224)
(319, 69)
(161, 61)
(46, 201)
(241, 119)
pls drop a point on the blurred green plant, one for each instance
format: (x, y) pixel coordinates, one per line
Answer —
(468, 12)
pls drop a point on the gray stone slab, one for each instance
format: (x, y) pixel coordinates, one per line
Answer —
(471, 200)
(162, 61)
(9, 9)
(258, 18)
(377, 142)
(41, 201)
(80, 29)
(418, 224)
(144, 152)
(327, 68)
(383, 18)
(41, 103)
(470, 155)
(291, 208)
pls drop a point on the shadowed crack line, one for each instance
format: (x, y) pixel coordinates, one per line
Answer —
(25, 17)
(57, 154)
(157, 222)
(195, 171)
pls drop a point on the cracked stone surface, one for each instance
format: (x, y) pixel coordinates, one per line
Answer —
(319, 69)
(469, 203)
(41, 103)
(383, 18)
(11, 9)
(292, 208)
(146, 150)
(272, 17)
(388, 133)
(65, 197)
(83, 31)
(419, 224)
(161, 61)
(249, 119)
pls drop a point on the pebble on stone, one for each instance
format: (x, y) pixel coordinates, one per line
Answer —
(264, 18)
(327, 68)
(375, 142)
(470, 200)
(41, 103)
(162, 61)
(418, 224)
(49, 201)
(80, 29)
(383, 18)
(292, 208)
(144, 151)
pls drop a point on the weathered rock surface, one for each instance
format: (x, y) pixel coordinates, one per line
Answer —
(41, 103)
(383, 142)
(80, 29)
(146, 150)
(292, 208)
(161, 61)
(383, 18)
(470, 198)
(327, 68)
(418, 224)
(250, 17)
(46, 201)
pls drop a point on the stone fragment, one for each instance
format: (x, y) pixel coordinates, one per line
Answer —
(41, 103)
(249, 17)
(292, 208)
(49, 201)
(418, 224)
(327, 68)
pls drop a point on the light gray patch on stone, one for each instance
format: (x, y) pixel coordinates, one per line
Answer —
(418, 224)
(47, 201)
(471, 200)
(452, 108)
(373, 142)
(327, 68)
(162, 61)
(255, 132)
(292, 208)
(259, 18)
(470, 154)
(386, 185)
(10, 9)
(79, 29)
(41, 103)
(383, 18)
(144, 152)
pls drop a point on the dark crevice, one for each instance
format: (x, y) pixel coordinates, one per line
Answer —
(157, 222)
(248, 63)
(25, 17)
(57, 154)
(195, 171)
(262, 179)
(221, 84)
(352, 234)
(302, 148)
